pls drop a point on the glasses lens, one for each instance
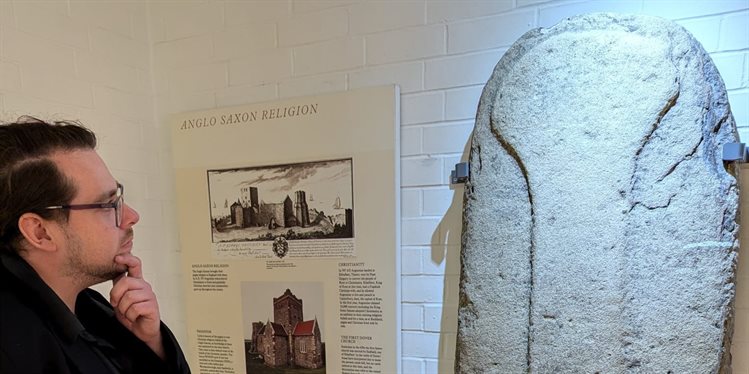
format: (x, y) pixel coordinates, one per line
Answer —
(118, 211)
(118, 204)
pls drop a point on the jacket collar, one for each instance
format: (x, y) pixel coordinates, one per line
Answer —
(45, 299)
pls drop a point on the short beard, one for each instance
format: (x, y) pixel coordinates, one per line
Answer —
(85, 273)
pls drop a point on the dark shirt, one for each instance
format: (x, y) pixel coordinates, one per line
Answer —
(39, 334)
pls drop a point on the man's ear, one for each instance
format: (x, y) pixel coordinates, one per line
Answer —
(35, 230)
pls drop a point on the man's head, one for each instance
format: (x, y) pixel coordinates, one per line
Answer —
(47, 165)
(29, 179)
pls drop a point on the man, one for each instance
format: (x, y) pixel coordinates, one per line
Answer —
(64, 227)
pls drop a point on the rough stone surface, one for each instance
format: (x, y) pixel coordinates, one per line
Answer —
(600, 223)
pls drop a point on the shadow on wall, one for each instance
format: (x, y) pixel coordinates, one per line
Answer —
(446, 245)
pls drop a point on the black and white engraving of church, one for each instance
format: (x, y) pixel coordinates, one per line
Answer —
(311, 200)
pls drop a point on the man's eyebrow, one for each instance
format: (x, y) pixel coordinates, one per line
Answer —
(107, 195)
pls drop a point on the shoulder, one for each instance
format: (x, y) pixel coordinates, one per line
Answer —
(26, 341)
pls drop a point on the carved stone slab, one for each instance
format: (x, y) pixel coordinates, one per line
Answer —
(600, 223)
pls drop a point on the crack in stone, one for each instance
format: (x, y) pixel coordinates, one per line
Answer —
(648, 207)
(516, 157)
(666, 108)
(686, 157)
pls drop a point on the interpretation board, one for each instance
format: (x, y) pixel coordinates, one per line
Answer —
(289, 231)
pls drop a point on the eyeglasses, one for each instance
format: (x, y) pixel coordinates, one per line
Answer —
(117, 205)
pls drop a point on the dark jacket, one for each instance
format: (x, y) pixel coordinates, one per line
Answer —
(39, 334)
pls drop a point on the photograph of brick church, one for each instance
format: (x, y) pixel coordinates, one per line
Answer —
(309, 200)
(279, 335)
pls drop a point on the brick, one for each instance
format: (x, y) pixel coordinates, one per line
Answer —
(122, 104)
(313, 27)
(448, 262)
(491, 32)
(739, 101)
(418, 231)
(121, 49)
(188, 102)
(193, 20)
(744, 135)
(451, 10)
(740, 362)
(447, 348)
(49, 19)
(742, 292)
(6, 16)
(261, 69)
(108, 73)
(409, 76)
(10, 77)
(705, 30)
(410, 203)
(734, 32)
(329, 56)
(114, 130)
(412, 366)
(410, 141)
(412, 317)
(417, 344)
(18, 104)
(306, 6)
(421, 171)
(373, 16)
(422, 108)
(199, 78)
(238, 95)
(33, 51)
(411, 261)
(114, 16)
(422, 288)
(435, 322)
(50, 86)
(731, 68)
(462, 103)
(462, 70)
(317, 84)
(406, 44)
(741, 326)
(132, 159)
(439, 366)
(140, 24)
(433, 260)
(524, 3)
(438, 200)
(447, 138)
(184, 52)
(248, 12)
(243, 40)
(677, 9)
(551, 15)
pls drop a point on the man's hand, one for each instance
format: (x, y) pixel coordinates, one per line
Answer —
(135, 304)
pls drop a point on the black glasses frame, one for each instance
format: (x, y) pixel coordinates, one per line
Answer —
(117, 205)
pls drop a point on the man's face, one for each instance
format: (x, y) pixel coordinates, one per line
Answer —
(92, 238)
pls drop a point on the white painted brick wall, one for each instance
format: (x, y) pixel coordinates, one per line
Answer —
(91, 61)
(219, 53)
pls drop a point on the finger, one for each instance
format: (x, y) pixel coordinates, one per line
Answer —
(134, 297)
(123, 285)
(134, 265)
(142, 314)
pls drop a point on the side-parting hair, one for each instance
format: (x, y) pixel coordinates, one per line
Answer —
(29, 179)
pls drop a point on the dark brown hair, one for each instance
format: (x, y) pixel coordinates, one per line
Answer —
(29, 179)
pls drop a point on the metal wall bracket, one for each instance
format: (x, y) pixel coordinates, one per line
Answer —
(461, 173)
(735, 152)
